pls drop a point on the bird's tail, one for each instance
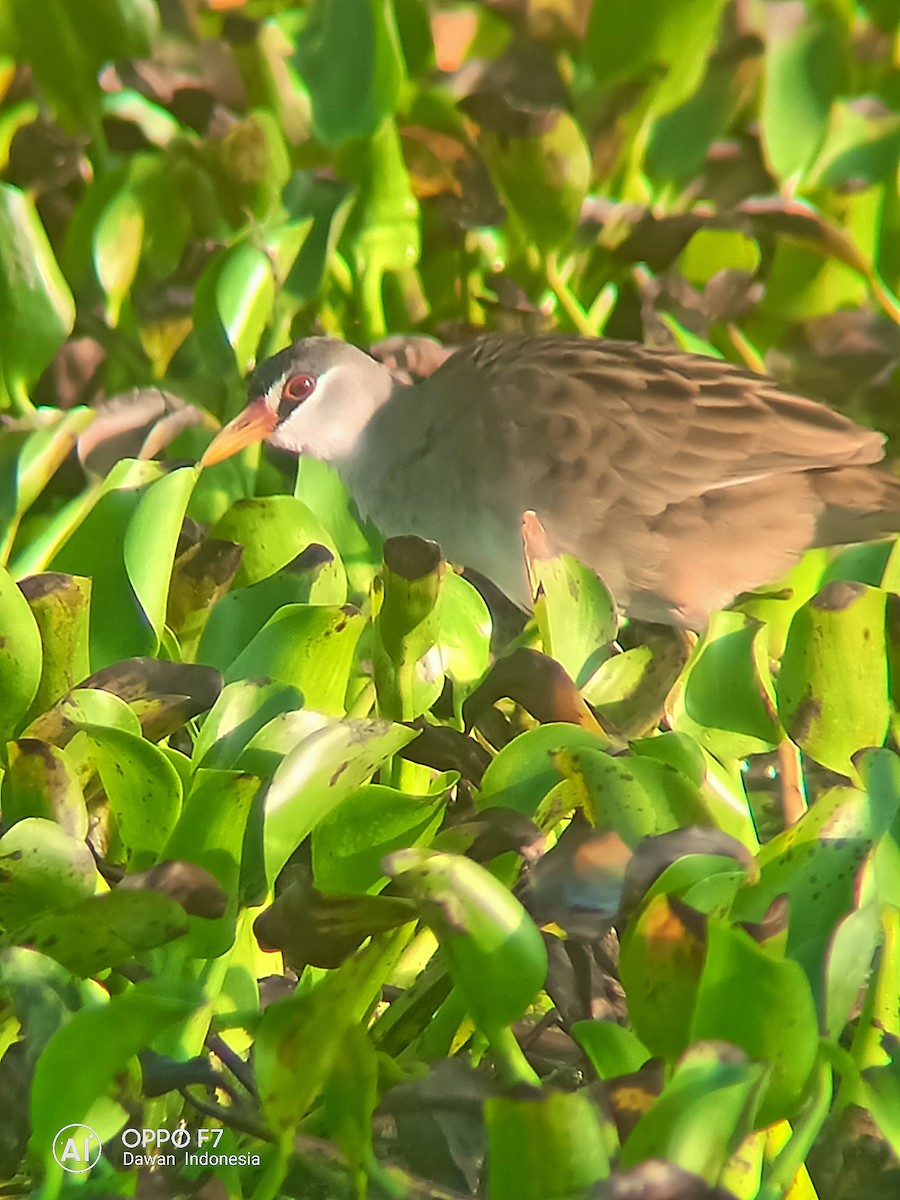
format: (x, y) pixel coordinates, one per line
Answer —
(861, 504)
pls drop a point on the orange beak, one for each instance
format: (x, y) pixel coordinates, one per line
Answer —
(254, 424)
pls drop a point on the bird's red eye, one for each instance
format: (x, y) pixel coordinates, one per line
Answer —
(298, 388)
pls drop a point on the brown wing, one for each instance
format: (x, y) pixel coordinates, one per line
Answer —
(659, 426)
(680, 478)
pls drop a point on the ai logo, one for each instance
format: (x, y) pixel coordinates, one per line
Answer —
(76, 1148)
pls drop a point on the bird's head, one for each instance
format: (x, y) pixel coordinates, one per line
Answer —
(316, 397)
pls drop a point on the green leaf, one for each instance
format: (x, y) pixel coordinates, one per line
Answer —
(273, 531)
(86, 35)
(575, 614)
(527, 768)
(804, 68)
(241, 711)
(351, 842)
(37, 311)
(308, 647)
(118, 240)
(661, 962)
(115, 1032)
(815, 862)
(740, 719)
(494, 950)
(20, 656)
(833, 695)
(765, 1006)
(210, 833)
(232, 306)
(544, 1145)
(361, 35)
(703, 1114)
(41, 781)
(299, 1039)
(317, 775)
(144, 792)
(42, 868)
(712, 250)
(544, 178)
(637, 796)
(666, 51)
(104, 931)
(60, 605)
(320, 488)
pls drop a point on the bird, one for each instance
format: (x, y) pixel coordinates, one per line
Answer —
(682, 480)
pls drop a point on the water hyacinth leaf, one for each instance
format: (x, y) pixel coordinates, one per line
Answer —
(703, 1114)
(266, 749)
(494, 950)
(534, 681)
(37, 310)
(67, 65)
(832, 689)
(712, 250)
(522, 774)
(752, 1000)
(60, 605)
(544, 179)
(83, 706)
(815, 862)
(383, 225)
(882, 1089)
(201, 576)
(273, 531)
(322, 930)
(232, 305)
(575, 614)
(802, 79)
(668, 59)
(143, 789)
(359, 547)
(210, 833)
(407, 667)
(848, 965)
(118, 240)
(638, 796)
(464, 636)
(740, 719)
(43, 867)
(20, 656)
(362, 36)
(105, 547)
(317, 775)
(104, 931)
(544, 1145)
(612, 1049)
(45, 450)
(298, 1039)
(115, 1032)
(239, 616)
(350, 844)
(662, 958)
(242, 709)
(308, 647)
(151, 539)
(41, 781)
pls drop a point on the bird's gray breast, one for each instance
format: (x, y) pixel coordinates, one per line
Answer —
(439, 467)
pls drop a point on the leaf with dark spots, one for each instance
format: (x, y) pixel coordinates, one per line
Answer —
(164, 694)
(538, 683)
(310, 927)
(196, 890)
(200, 576)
